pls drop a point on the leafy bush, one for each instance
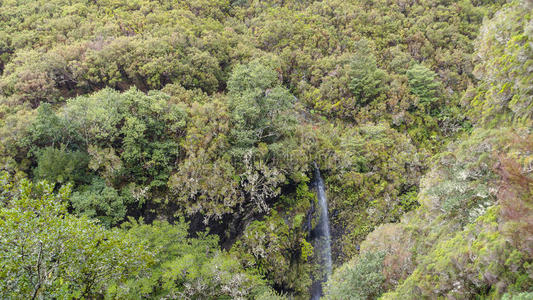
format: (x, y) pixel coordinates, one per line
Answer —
(422, 84)
(101, 202)
(361, 279)
(476, 261)
(53, 254)
(504, 58)
(259, 105)
(367, 81)
(186, 267)
(61, 165)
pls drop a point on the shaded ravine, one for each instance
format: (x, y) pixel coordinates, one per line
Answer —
(322, 238)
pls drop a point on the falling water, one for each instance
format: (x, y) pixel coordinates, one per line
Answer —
(322, 242)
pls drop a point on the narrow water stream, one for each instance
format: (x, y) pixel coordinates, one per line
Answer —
(322, 240)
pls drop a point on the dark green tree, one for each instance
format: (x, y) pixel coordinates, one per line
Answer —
(259, 105)
(101, 202)
(422, 83)
(61, 165)
(367, 80)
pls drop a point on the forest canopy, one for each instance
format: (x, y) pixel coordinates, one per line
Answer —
(170, 149)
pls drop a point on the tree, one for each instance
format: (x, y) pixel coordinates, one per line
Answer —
(187, 268)
(359, 280)
(49, 129)
(278, 249)
(61, 165)
(101, 202)
(259, 105)
(47, 253)
(422, 84)
(504, 56)
(367, 80)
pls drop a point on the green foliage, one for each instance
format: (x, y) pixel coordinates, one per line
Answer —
(47, 253)
(422, 84)
(186, 267)
(127, 139)
(259, 105)
(505, 56)
(465, 240)
(48, 129)
(474, 262)
(521, 296)
(95, 118)
(461, 185)
(277, 246)
(374, 169)
(144, 127)
(361, 279)
(86, 46)
(367, 81)
(101, 202)
(61, 165)
(216, 110)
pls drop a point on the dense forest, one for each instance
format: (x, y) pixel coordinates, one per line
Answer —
(170, 149)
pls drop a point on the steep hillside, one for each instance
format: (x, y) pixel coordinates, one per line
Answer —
(182, 137)
(471, 237)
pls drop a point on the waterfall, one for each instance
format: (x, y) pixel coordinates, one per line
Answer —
(322, 241)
